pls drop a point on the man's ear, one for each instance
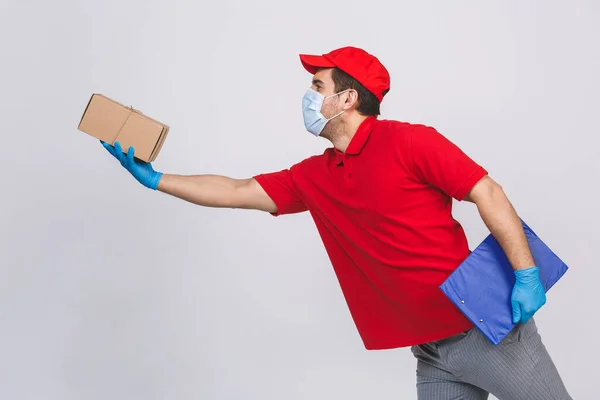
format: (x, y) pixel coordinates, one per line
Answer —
(351, 99)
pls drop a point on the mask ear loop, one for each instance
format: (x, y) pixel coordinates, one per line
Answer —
(341, 112)
(337, 94)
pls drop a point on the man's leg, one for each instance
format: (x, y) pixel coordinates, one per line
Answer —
(518, 368)
(435, 383)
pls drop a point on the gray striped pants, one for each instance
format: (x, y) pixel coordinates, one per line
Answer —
(468, 367)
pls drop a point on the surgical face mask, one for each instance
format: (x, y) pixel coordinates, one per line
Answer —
(312, 103)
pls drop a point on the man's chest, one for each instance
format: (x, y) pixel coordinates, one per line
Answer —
(382, 184)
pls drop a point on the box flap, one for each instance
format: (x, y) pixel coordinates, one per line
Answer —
(84, 111)
(103, 118)
(140, 132)
(159, 145)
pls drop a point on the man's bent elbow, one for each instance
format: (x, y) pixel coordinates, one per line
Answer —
(484, 190)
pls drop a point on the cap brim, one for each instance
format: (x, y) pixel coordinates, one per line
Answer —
(312, 63)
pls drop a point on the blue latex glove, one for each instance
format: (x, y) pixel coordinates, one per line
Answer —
(142, 171)
(528, 294)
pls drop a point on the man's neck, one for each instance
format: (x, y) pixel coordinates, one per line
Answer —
(342, 138)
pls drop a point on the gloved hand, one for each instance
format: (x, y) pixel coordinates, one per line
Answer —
(142, 171)
(528, 294)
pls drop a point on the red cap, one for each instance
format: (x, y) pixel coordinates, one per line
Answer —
(357, 63)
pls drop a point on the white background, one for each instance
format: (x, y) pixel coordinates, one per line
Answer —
(111, 291)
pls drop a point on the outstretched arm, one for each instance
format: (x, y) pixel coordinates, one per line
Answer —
(203, 190)
(217, 191)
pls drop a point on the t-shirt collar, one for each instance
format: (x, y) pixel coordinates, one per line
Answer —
(360, 137)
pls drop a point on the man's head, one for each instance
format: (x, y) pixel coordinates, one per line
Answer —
(352, 83)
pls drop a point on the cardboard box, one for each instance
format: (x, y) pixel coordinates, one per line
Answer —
(111, 122)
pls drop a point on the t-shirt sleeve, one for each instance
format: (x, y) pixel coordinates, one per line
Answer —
(438, 162)
(280, 187)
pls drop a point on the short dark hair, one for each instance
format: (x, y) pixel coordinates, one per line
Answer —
(368, 104)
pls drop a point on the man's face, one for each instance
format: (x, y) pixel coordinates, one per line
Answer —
(323, 83)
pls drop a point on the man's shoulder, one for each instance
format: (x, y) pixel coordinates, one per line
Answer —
(314, 160)
(396, 131)
(400, 127)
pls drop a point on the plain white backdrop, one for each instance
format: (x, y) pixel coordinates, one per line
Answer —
(111, 291)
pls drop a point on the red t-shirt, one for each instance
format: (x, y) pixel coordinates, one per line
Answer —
(383, 210)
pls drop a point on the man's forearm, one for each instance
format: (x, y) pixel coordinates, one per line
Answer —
(503, 222)
(204, 190)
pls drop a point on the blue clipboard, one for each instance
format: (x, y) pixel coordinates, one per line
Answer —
(481, 286)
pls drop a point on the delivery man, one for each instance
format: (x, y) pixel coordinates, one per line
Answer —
(381, 199)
